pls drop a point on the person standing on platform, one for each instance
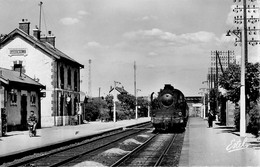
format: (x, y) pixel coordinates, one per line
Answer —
(210, 118)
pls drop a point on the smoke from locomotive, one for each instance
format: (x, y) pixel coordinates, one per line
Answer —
(169, 110)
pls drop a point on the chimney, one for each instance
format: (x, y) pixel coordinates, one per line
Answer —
(24, 25)
(50, 38)
(37, 33)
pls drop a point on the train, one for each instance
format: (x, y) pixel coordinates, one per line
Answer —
(169, 110)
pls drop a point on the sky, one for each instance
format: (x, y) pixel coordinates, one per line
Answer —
(170, 40)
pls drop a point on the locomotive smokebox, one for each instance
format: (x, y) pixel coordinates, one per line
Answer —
(167, 99)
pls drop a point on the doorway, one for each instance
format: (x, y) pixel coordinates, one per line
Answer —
(24, 112)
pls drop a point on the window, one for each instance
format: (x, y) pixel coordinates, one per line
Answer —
(62, 77)
(33, 99)
(75, 81)
(18, 66)
(69, 77)
(13, 97)
(76, 105)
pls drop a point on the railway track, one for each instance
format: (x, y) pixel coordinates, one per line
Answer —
(64, 156)
(159, 150)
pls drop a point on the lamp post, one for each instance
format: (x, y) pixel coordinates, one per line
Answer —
(203, 95)
(208, 91)
(239, 34)
(136, 107)
(204, 100)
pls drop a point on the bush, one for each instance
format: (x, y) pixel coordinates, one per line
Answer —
(104, 114)
(237, 118)
(254, 116)
(253, 120)
(124, 114)
(91, 111)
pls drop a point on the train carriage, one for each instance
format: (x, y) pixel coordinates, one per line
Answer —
(169, 110)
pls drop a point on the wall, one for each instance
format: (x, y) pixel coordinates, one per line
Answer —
(37, 65)
(14, 114)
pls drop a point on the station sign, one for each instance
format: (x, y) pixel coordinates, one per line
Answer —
(18, 52)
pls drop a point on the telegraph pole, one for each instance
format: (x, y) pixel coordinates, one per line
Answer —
(89, 79)
(136, 113)
(242, 34)
(40, 4)
(242, 86)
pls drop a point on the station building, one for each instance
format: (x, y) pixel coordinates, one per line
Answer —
(38, 58)
(19, 94)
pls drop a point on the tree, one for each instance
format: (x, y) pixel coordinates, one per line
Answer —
(142, 106)
(92, 111)
(230, 81)
(110, 104)
(127, 101)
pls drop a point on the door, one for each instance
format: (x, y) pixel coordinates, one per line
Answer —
(24, 112)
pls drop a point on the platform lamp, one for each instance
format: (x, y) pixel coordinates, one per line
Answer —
(204, 102)
(136, 104)
(239, 33)
(208, 90)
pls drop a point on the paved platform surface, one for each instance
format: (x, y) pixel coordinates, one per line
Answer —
(19, 141)
(217, 146)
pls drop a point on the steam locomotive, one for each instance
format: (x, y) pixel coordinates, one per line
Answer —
(169, 111)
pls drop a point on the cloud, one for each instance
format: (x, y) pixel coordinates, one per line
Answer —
(147, 18)
(171, 38)
(74, 20)
(152, 54)
(93, 44)
(82, 13)
(69, 21)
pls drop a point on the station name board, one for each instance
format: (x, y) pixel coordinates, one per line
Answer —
(18, 52)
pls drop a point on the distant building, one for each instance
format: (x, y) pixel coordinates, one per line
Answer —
(116, 91)
(19, 94)
(42, 61)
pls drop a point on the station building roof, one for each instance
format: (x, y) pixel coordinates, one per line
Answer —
(7, 76)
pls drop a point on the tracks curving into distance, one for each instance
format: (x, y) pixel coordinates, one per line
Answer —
(68, 154)
(151, 153)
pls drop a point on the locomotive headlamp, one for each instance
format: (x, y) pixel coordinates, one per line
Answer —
(180, 113)
(167, 99)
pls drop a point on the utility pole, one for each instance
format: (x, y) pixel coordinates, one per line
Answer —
(40, 19)
(242, 86)
(222, 60)
(216, 81)
(99, 89)
(136, 113)
(242, 34)
(89, 79)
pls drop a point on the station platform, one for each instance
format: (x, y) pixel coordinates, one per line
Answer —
(217, 146)
(17, 142)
